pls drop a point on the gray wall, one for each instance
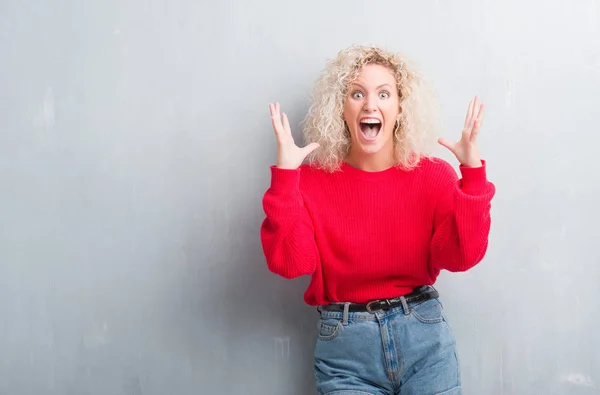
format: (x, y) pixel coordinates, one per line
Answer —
(135, 142)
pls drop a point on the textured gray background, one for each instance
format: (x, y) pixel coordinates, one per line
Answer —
(135, 142)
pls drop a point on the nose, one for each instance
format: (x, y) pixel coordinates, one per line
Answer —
(370, 104)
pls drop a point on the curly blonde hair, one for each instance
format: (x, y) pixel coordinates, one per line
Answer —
(324, 124)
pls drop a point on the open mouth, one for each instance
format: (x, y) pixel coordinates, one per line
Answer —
(370, 128)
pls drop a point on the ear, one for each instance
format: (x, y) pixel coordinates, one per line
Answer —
(397, 123)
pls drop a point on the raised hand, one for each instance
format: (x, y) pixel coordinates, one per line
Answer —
(465, 149)
(289, 155)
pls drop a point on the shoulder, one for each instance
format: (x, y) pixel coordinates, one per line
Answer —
(436, 169)
(311, 175)
(316, 180)
(309, 170)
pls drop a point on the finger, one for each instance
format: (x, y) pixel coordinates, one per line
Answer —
(478, 123)
(276, 120)
(476, 107)
(309, 148)
(467, 132)
(286, 123)
(469, 116)
(481, 110)
(272, 112)
(445, 143)
(472, 113)
(274, 109)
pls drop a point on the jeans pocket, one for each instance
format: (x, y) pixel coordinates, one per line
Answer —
(453, 391)
(329, 328)
(429, 312)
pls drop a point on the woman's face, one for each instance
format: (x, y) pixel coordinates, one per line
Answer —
(371, 109)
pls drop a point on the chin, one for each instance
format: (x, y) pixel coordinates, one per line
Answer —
(370, 150)
(376, 147)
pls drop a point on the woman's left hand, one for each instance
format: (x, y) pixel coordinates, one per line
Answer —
(465, 149)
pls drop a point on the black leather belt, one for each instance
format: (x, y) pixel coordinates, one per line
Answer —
(419, 294)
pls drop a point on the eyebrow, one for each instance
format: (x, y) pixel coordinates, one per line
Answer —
(379, 87)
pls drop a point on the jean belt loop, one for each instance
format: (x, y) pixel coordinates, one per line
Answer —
(345, 314)
(404, 305)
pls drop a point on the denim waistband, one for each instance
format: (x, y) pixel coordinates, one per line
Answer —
(366, 316)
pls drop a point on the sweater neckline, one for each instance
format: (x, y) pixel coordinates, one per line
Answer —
(380, 175)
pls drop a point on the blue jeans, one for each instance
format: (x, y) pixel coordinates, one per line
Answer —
(402, 351)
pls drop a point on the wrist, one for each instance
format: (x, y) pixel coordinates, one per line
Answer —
(285, 166)
(472, 160)
(472, 163)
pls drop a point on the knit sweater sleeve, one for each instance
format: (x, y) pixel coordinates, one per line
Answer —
(287, 232)
(462, 218)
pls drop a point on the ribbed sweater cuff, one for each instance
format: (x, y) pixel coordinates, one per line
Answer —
(284, 180)
(474, 179)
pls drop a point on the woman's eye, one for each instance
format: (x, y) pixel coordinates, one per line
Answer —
(357, 95)
(384, 95)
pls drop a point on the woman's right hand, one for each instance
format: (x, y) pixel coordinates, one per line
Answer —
(289, 155)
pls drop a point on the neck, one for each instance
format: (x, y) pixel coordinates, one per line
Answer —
(373, 162)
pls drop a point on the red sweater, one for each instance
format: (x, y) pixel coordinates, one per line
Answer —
(372, 235)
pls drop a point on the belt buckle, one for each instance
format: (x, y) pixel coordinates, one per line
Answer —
(370, 310)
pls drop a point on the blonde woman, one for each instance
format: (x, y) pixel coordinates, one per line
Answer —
(373, 219)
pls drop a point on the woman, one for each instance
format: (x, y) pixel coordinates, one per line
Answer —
(373, 220)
